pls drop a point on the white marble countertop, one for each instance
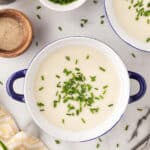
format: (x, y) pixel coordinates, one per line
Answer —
(46, 31)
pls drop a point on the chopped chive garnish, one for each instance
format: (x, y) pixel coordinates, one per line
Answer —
(40, 104)
(57, 76)
(42, 109)
(117, 145)
(36, 43)
(67, 58)
(139, 109)
(133, 55)
(126, 127)
(105, 87)
(42, 77)
(102, 22)
(110, 105)
(63, 121)
(97, 145)
(83, 22)
(93, 78)
(88, 56)
(76, 61)
(148, 39)
(102, 16)
(100, 140)
(38, 7)
(57, 142)
(83, 120)
(102, 69)
(1, 83)
(4, 147)
(60, 28)
(41, 88)
(38, 16)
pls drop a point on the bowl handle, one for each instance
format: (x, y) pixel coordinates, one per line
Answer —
(10, 82)
(142, 84)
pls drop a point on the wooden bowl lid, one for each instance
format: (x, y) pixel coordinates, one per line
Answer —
(25, 25)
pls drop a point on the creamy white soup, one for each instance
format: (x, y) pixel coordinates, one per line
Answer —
(77, 88)
(134, 17)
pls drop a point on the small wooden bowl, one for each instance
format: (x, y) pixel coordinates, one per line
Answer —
(27, 32)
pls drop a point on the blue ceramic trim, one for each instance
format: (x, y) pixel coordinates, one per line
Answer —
(10, 82)
(142, 84)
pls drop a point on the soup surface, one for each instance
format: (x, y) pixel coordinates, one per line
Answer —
(134, 17)
(77, 87)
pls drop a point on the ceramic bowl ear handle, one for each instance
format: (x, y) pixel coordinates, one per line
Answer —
(10, 82)
(142, 84)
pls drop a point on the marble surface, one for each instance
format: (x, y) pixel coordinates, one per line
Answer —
(46, 31)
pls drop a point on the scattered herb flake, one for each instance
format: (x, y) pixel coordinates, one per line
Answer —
(126, 127)
(97, 145)
(63, 121)
(42, 77)
(41, 88)
(87, 57)
(60, 28)
(38, 7)
(1, 83)
(38, 16)
(67, 58)
(57, 142)
(102, 69)
(36, 43)
(4, 147)
(93, 78)
(100, 140)
(133, 55)
(148, 40)
(40, 104)
(117, 145)
(76, 61)
(57, 76)
(110, 105)
(82, 119)
(139, 109)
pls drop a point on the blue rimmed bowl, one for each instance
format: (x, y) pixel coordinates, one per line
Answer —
(28, 95)
(119, 30)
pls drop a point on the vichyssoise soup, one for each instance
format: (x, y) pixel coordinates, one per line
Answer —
(77, 87)
(134, 17)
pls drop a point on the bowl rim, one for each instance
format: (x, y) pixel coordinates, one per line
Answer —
(63, 8)
(129, 40)
(54, 131)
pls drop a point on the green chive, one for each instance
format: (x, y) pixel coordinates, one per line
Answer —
(110, 105)
(100, 140)
(139, 109)
(83, 120)
(63, 121)
(57, 76)
(126, 127)
(1, 83)
(38, 7)
(76, 61)
(38, 16)
(40, 104)
(67, 58)
(133, 55)
(117, 145)
(41, 88)
(60, 28)
(87, 57)
(148, 39)
(57, 142)
(42, 78)
(3, 146)
(102, 69)
(97, 145)
(93, 78)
